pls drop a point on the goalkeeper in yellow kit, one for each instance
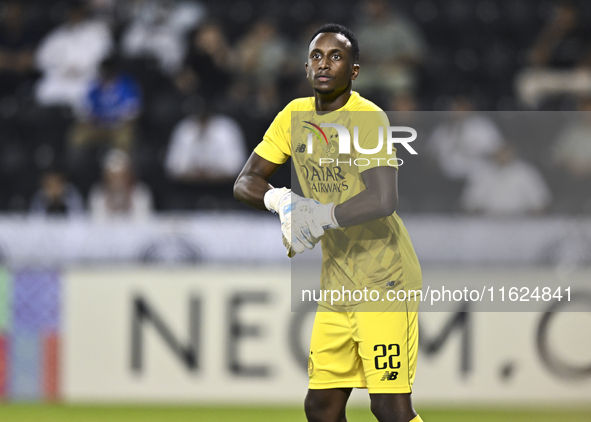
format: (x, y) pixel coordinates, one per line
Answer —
(349, 204)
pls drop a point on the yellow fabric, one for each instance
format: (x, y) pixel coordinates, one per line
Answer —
(353, 349)
(417, 419)
(379, 254)
(277, 141)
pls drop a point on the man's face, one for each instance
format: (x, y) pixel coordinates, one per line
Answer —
(330, 66)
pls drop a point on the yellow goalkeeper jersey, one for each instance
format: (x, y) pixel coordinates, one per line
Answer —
(378, 254)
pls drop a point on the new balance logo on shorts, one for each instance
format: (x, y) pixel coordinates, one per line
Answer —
(301, 148)
(390, 283)
(389, 376)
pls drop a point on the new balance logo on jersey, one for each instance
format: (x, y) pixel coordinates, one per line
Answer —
(390, 283)
(301, 148)
(390, 376)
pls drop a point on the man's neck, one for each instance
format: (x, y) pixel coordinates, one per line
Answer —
(330, 102)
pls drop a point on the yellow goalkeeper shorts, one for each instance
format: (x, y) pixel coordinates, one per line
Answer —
(373, 350)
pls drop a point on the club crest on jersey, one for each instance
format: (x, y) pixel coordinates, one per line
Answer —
(332, 147)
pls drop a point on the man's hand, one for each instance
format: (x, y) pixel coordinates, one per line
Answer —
(303, 220)
(312, 217)
(280, 202)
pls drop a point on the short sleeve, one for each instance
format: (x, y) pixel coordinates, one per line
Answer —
(275, 146)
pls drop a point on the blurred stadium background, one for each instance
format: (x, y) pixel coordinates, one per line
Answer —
(134, 287)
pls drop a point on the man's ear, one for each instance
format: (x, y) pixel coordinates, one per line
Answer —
(306, 67)
(355, 72)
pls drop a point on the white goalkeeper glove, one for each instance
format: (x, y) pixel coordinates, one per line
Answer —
(279, 201)
(303, 220)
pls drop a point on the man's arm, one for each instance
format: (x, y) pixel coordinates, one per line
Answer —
(252, 188)
(378, 200)
(251, 185)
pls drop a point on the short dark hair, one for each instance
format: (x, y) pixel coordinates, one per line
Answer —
(336, 28)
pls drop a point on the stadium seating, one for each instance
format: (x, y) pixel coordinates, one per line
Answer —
(474, 46)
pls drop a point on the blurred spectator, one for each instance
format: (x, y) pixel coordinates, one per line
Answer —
(56, 197)
(208, 64)
(405, 106)
(206, 147)
(560, 60)
(69, 57)
(264, 104)
(572, 150)
(404, 102)
(292, 83)
(187, 15)
(262, 53)
(17, 44)
(103, 8)
(183, 15)
(112, 106)
(464, 142)
(119, 194)
(391, 48)
(153, 34)
(505, 186)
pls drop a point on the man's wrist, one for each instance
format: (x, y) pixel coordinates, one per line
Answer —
(326, 216)
(334, 217)
(273, 197)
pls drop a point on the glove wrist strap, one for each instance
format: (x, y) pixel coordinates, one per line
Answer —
(333, 217)
(273, 197)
